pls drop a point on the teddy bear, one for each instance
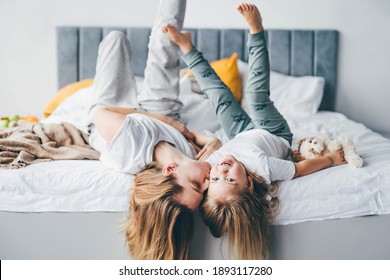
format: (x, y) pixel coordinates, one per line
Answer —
(313, 147)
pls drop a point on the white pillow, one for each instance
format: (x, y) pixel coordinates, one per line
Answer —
(197, 112)
(74, 109)
(295, 97)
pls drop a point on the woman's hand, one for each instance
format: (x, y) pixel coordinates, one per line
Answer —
(196, 147)
(176, 124)
(181, 127)
(210, 147)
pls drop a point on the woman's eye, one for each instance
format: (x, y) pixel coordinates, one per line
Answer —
(230, 180)
(214, 179)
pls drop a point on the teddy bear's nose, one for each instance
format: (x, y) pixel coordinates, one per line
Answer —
(315, 143)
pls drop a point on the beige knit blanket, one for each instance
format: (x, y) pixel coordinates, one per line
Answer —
(35, 142)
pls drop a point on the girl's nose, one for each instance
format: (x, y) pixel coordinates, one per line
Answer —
(223, 169)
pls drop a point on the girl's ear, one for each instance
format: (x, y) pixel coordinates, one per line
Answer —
(169, 169)
(250, 184)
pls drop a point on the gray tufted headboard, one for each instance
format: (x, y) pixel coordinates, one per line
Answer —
(292, 52)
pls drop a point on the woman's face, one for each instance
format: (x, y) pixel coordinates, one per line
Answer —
(227, 177)
(193, 176)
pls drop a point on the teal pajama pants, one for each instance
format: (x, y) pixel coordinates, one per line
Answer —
(232, 117)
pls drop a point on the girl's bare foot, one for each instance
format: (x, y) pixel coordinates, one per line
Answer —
(252, 17)
(182, 39)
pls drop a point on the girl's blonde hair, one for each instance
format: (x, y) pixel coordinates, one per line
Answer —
(158, 227)
(245, 218)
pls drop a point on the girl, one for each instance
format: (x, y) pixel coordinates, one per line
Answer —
(238, 201)
(131, 133)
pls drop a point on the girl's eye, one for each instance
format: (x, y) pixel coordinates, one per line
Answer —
(230, 180)
(214, 179)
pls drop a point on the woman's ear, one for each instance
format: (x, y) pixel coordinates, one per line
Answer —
(169, 169)
(250, 184)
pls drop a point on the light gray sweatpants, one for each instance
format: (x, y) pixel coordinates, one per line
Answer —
(114, 84)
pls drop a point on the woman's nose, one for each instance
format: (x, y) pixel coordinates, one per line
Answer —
(204, 186)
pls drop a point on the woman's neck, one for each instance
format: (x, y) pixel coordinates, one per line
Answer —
(165, 153)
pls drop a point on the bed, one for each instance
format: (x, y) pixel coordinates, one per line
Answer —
(74, 209)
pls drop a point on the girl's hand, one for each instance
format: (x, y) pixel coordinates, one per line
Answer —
(336, 157)
(309, 166)
(210, 147)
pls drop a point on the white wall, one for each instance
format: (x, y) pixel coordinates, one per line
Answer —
(28, 57)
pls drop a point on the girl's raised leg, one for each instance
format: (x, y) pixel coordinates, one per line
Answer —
(232, 117)
(264, 113)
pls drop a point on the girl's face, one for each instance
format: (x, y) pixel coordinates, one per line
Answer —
(228, 177)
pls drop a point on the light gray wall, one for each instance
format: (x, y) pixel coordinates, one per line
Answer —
(28, 58)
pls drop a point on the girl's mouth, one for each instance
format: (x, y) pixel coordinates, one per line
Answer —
(226, 162)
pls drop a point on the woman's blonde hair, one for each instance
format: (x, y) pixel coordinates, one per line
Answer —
(158, 227)
(245, 218)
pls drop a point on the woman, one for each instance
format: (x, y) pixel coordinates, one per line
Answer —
(131, 133)
(238, 201)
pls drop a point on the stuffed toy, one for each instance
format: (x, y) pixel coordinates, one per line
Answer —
(317, 146)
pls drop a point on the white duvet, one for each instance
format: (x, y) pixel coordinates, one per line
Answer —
(88, 186)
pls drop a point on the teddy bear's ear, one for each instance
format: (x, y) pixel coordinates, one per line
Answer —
(301, 141)
(300, 144)
(296, 156)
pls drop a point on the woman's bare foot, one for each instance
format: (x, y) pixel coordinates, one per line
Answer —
(252, 17)
(182, 39)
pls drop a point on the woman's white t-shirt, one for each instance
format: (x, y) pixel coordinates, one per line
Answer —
(261, 153)
(132, 146)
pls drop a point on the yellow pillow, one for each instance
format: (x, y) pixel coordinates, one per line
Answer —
(64, 93)
(227, 70)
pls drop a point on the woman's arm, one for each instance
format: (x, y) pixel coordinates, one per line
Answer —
(109, 120)
(308, 166)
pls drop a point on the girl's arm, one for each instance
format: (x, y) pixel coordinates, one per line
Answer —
(109, 120)
(308, 166)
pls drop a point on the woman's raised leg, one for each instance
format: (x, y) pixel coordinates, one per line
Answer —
(114, 83)
(161, 85)
(264, 113)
